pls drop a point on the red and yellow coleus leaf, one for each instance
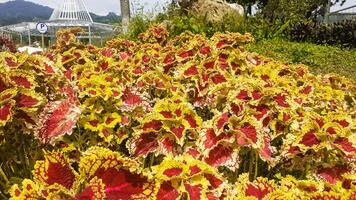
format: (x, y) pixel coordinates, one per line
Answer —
(6, 112)
(184, 174)
(122, 177)
(57, 119)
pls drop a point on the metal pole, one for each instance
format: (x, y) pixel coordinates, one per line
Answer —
(89, 34)
(29, 35)
(43, 45)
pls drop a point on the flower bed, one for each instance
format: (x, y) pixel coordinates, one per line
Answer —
(181, 118)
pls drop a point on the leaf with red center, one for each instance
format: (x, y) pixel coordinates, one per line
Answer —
(310, 139)
(219, 155)
(48, 69)
(213, 180)
(266, 150)
(121, 184)
(191, 71)
(218, 78)
(222, 120)
(131, 99)
(168, 145)
(107, 52)
(169, 59)
(10, 62)
(256, 95)
(57, 119)
(173, 172)
(152, 125)
(28, 100)
(186, 54)
(325, 195)
(332, 174)
(220, 44)
(262, 111)
(281, 100)
(205, 50)
(191, 120)
(3, 84)
(167, 114)
(94, 191)
(22, 80)
(194, 170)
(306, 90)
(343, 123)
(194, 191)
(331, 131)
(209, 65)
(345, 144)
(250, 132)
(258, 190)
(178, 131)
(5, 113)
(55, 169)
(167, 192)
(143, 144)
(243, 95)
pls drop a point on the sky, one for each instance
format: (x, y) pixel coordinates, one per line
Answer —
(102, 7)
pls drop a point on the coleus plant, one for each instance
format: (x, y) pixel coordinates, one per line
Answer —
(186, 116)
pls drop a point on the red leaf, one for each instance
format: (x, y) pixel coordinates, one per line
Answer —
(306, 90)
(167, 192)
(191, 121)
(256, 191)
(219, 155)
(194, 191)
(191, 71)
(57, 119)
(250, 132)
(121, 184)
(256, 95)
(145, 143)
(5, 112)
(281, 100)
(130, 98)
(218, 78)
(178, 131)
(242, 95)
(22, 81)
(173, 172)
(345, 144)
(152, 125)
(166, 114)
(194, 170)
(25, 101)
(343, 123)
(214, 181)
(310, 139)
(333, 174)
(223, 119)
(266, 150)
(205, 50)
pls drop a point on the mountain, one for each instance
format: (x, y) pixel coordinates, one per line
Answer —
(18, 11)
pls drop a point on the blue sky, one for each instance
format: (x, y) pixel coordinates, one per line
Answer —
(102, 7)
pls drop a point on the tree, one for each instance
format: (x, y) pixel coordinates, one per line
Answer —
(125, 14)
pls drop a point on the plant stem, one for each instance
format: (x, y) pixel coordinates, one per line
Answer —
(250, 169)
(256, 164)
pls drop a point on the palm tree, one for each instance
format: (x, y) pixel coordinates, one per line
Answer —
(125, 14)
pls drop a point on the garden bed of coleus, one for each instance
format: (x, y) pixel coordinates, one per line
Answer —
(188, 117)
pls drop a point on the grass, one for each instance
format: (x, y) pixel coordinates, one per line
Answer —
(320, 59)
